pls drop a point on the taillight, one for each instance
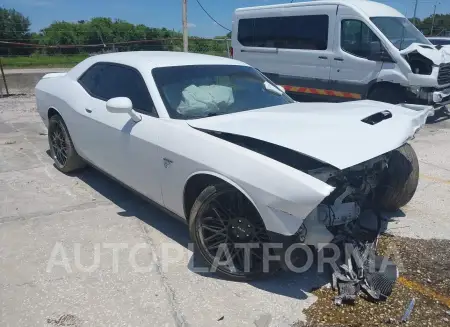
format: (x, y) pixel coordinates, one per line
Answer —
(231, 52)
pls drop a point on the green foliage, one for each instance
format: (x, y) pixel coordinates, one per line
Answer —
(69, 42)
(37, 60)
(13, 26)
(441, 24)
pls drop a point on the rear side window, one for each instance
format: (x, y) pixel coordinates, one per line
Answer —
(105, 81)
(358, 39)
(292, 32)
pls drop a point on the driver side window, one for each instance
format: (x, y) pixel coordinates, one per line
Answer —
(105, 81)
(358, 39)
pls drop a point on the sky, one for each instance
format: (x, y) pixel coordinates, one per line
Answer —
(167, 13)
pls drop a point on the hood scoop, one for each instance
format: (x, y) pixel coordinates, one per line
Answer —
(377, 118)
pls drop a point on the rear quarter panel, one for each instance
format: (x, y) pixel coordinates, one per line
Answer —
(67, 97)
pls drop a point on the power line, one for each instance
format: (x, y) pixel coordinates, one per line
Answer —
(212, 17)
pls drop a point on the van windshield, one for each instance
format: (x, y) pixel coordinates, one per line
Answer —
(400, 31)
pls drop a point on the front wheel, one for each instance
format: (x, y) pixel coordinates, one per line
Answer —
(387, 93)
(400, 180)
(229, 233)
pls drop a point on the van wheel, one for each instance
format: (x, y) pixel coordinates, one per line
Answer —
(387, 93)
(400, 179)
(62, 149)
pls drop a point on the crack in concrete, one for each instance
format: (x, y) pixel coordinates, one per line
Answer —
(178, 317)
(45, 213)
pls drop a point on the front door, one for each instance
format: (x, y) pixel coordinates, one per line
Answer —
(352, 70)
(121, 147)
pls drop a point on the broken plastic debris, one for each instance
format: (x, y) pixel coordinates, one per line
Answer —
(408, 311)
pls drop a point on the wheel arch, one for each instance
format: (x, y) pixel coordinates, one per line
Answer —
(382, 84)
(52, 111)
(198, 181)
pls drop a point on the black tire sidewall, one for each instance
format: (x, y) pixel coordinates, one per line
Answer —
(383, 93)
(399, 185)
(73, 159)
(199, 206)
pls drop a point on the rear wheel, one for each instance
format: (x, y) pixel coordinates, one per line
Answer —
(400, 181)
(62, 149)
(229, 233)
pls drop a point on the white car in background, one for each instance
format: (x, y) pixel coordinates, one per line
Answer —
(440, 40)
(216, 143)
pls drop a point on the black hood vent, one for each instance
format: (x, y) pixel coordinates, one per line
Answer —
(378, 117)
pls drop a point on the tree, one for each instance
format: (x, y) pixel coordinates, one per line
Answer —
(14, 27)
(441, 24)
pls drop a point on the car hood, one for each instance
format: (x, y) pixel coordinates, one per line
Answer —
(332, 133)
(438, 57)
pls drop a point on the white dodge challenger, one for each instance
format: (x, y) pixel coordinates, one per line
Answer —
(216, 143)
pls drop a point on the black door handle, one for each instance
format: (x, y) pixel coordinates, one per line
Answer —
(323, 57)
(339, 59)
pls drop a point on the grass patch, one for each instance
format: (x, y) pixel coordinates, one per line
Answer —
(43, 61)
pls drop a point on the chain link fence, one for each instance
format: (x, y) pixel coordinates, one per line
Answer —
(20, 73)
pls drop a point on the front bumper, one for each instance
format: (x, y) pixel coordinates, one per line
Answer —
(427, 99)
(441, 98)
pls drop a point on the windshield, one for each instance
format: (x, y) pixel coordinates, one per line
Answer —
(400, 31)
(208, 90)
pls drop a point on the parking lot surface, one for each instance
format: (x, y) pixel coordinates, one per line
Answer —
(53, 227)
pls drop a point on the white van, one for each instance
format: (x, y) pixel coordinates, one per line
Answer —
(343, 50)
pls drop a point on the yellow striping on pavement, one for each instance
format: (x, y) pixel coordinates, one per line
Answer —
(424, 291)
(435, 179)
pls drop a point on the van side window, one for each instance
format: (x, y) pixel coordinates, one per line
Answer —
(291, 32)
(358, 39)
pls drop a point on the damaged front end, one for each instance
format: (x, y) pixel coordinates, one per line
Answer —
(349, 218)
(429, 79)
(355, 192)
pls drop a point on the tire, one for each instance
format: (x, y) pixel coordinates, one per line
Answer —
(387, 93)
(400, 181)
(217, 208)
(62, 149)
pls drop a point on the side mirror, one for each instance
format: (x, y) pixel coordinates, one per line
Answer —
(282, 89)
(382, 56)
(122, 105)
(379, 53)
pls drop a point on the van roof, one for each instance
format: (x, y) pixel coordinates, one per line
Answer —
(370, 8)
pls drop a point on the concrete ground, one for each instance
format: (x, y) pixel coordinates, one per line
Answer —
(52, 226)
(23, 80)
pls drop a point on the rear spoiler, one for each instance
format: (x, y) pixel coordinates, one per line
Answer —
(53, 75)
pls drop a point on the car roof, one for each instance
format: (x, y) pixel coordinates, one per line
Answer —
(370, 8)
(147, 60)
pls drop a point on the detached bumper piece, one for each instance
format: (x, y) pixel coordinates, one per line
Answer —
(360, 269)
(427, 99)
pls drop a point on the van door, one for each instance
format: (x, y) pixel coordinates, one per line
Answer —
(353, 66)
(291, 46)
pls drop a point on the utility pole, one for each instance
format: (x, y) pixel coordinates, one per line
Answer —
(185, 27)
(434, 16)
(415, 11)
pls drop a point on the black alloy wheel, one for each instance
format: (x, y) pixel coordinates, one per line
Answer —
(61, 146)
(58, 144)
(229, 233)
